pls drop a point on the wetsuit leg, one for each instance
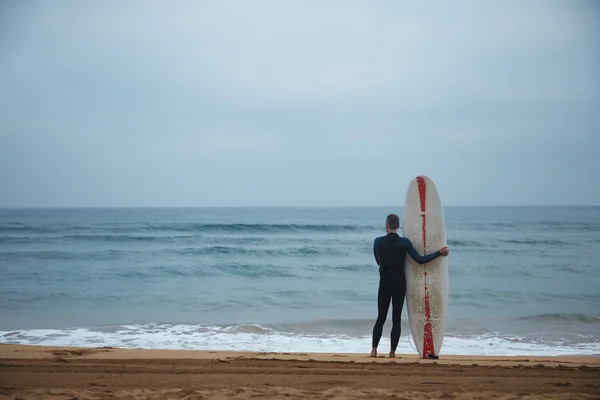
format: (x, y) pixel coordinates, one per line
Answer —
(397, 304)
(383, 304)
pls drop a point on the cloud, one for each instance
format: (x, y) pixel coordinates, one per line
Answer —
(317, 54)
(329, 93)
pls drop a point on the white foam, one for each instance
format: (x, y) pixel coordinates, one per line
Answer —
(259, 338)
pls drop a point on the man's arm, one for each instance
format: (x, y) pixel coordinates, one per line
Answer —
(414, 254)
(375, 252)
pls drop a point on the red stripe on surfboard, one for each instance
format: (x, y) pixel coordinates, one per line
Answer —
(427, 334)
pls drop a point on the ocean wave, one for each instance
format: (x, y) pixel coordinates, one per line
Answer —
(351, 327)
(165, 272)
(93, 237)
(567, 225)
(192, 227)
(536, 242)
(165, 233)
(563, 226)
(37, 229)
(38, 255)
(463, 243)
(238, 240)
(298, 251)
(563, 317)
(282, 251)
(21, 239)
(484, 226)
(64, 255)
(217, 240)
(255, 271)
(255, 337)
(235, 269)
(351, 267)
(126, 238)
(200, 227)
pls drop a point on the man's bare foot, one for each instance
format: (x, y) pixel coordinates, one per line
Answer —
(374, 352)
(392, 354)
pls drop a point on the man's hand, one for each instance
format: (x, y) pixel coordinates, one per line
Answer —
(444, 251)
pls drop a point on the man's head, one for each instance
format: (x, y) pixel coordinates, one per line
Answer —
(392, 223)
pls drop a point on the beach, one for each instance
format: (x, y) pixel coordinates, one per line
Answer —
(39, 372)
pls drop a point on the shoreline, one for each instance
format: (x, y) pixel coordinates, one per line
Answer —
(30, 351)
(29, 371)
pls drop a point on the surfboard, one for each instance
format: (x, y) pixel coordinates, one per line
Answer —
(426, 285)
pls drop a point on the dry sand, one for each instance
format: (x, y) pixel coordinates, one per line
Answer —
(35, 372)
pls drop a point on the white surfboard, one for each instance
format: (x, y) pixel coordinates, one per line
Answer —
(427, 284)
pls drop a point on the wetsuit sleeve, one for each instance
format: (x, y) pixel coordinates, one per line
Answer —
(414, 254)
(375, 253)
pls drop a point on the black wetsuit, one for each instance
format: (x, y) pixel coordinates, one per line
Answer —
(390, 253)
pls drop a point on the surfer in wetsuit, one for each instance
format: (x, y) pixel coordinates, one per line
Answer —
(390, 253)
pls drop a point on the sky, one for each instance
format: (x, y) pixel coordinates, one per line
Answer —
(298, 103)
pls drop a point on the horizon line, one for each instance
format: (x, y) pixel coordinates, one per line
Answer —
(282, 206)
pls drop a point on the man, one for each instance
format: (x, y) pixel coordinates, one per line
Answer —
(390, 253)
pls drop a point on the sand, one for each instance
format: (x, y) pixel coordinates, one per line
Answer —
(35, 372)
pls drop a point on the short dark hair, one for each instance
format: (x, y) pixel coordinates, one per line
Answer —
(393, 221)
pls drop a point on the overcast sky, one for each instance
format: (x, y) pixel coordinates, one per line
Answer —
(246, 103)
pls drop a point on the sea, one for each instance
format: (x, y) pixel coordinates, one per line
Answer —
(523, 280)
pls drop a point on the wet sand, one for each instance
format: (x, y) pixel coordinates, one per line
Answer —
(35, 372)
